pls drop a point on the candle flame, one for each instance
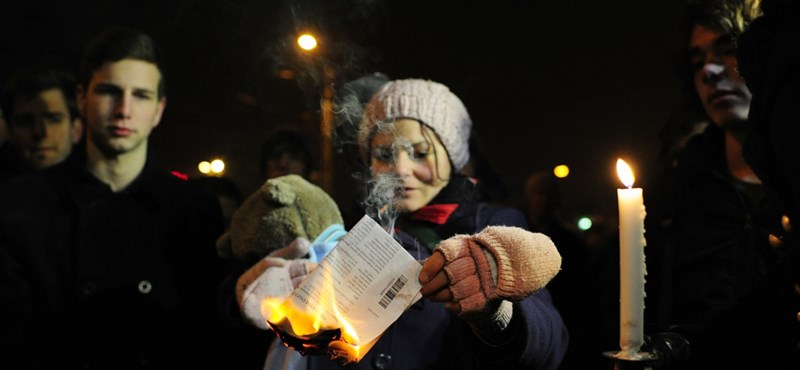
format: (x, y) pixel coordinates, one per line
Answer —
(625, 173)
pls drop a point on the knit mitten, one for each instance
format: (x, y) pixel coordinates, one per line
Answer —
(500, 262)
(270, 278)
(491, 323)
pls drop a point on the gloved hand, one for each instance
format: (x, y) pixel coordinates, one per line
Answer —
(299, 247)
(270, 278)
(499, 263)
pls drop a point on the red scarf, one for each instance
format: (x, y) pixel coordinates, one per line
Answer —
(436, 213)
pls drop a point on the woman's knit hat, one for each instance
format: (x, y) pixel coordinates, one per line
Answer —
(431, 103)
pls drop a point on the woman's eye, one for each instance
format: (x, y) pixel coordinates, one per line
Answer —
(420, 154)
(383, 154)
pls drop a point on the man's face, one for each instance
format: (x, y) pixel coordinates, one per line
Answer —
(42, 129)
(121, 106)
(285, 164)
(722, 91)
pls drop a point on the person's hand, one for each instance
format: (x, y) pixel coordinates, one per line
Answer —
(299, 247)
(436, 284)
(271, 278)
(499, 263)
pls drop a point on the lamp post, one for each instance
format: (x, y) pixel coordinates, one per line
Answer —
(308, 42)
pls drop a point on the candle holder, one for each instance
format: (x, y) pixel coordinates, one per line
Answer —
(665, 350)
(637, 361)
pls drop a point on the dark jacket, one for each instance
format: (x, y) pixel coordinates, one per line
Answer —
(11, 163)
(95, 279)
(730, 294)
(428, 337)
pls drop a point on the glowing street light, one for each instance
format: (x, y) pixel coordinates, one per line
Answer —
(307, 41)
(561, 171)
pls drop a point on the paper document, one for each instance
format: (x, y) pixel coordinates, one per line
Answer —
(358, 290)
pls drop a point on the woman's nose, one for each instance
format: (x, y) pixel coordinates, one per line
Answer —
(712, 73)
(402, 163)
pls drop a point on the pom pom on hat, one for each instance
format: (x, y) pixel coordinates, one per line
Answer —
(426, 101)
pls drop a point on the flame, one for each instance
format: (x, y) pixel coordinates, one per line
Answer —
(309, 325)
(273, 310)
(625, 173)
(348, 333)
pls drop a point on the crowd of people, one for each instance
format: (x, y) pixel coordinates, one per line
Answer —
(109, 262)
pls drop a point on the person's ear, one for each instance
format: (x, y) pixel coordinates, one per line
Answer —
(80, 99)
(162, 104)
(76, 130)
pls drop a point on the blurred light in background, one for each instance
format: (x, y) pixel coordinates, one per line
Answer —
(584, 223)
(214, 168)
(307, 42)
(561, 171)
(286, 74)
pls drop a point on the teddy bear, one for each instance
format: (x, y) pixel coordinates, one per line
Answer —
(282, 210)
(280, 231)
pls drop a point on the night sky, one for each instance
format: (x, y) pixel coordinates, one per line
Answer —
(546, 82)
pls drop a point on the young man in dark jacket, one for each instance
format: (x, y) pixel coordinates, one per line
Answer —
(110, 263)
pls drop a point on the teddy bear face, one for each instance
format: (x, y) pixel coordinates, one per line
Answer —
(283, 209)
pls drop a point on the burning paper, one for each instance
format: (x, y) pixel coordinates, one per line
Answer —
(344, 305)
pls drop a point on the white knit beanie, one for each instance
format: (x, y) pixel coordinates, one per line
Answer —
(429, 102)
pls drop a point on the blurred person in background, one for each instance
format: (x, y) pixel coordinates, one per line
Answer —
(287, 151)
(42, 119)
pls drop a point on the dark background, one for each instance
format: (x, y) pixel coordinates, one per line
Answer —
(546, 82)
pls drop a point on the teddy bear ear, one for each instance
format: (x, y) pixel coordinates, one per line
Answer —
(280, 191)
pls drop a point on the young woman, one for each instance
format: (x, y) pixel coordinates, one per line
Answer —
(485, 305)
(483, 273)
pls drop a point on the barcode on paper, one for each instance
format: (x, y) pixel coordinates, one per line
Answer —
(389, 296)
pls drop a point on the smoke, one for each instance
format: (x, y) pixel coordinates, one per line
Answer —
(345, 31)
(381, 191)
(380, 201)
(377, 194)
(350, 100)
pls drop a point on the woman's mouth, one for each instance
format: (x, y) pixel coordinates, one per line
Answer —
(721, 96)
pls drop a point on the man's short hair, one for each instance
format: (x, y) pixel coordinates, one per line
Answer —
(29, 83)
(118, 43)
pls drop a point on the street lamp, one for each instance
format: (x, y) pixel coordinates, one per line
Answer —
(308, 43)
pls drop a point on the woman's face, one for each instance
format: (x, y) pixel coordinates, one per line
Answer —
(722, 90)
(413, 153)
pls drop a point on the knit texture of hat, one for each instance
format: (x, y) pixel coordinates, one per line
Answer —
(426, 101)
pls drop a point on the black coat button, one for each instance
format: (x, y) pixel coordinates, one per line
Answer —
(145, 287)
(382, 362)
(88, 289)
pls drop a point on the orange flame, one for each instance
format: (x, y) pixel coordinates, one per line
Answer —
(298, 322)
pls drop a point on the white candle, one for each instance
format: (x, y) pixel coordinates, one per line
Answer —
(631, 264)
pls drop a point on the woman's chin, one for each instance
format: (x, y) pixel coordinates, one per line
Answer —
(408, 206)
